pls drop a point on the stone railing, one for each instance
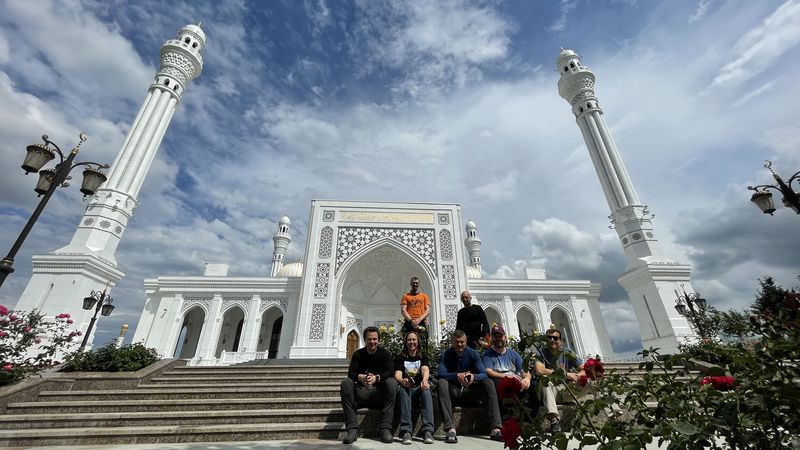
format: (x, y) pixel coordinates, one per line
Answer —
(228, 358)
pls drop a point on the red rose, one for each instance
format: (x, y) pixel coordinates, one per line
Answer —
(3, 310)
(511, 432)
(508, 387)
(8, 367)
(720, 383)
(594, 368)
(583, 380)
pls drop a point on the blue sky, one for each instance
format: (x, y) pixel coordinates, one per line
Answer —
(417, 101)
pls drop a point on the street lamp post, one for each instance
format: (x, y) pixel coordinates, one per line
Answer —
(763, 199)
(103, 301)
(691, 305)
(49, 179)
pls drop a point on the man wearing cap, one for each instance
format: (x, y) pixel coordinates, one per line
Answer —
(502, 362)
(472, 320)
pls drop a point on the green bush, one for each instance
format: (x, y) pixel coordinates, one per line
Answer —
(112, 359)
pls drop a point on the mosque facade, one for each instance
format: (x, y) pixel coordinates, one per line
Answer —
(359, 258)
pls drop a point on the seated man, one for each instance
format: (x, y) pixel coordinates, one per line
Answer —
(462, 377)
(370, 381)
(503, 362)
(547, 360)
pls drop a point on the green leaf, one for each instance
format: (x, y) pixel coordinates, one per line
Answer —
(686, 428)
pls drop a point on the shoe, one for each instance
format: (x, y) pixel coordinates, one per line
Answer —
(386, 436)
(496, 435)
(406, 438)
(451, 437)
(428, 439)
(555, 426)
(352, 436)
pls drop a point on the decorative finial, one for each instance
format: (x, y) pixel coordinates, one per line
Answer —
(768, 166)
(199, 23)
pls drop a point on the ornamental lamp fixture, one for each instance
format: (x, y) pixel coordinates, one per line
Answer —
(46, 177)
(680, 307)
(88, 302)
(92, 179)
(38, 155)
(49, 179)
(101, 302)
(107, 308)
(763, 199)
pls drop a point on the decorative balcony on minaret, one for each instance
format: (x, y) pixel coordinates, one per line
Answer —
(280, 241)
(88, 263)
(652, 280)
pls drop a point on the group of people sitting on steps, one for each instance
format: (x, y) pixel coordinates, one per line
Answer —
(377, 379)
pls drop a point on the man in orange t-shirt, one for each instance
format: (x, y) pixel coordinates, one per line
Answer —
(415, 307)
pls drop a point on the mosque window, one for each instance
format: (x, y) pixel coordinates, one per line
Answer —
(187, 40)
(566, 69)
(588, 105)
(581, 109)
(572, 64)
(166, 82)
(194, 45)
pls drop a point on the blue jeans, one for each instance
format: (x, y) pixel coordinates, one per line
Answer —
(406, 397)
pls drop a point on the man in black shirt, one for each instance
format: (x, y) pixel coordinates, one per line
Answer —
(472, 320)
(370, 382)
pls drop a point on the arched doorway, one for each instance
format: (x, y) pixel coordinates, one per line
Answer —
(374, 282)
(352, 343)
(269, 334)
(189, 336)
(526, 321)
(493, 316)
(560, 319)
(231, 331)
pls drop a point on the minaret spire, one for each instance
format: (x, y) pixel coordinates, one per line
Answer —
(280, 241)
(651, 279)
(473, 243)
(62, 278)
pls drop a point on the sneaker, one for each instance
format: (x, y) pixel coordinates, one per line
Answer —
(386, 436)
(555, 426)
(406, 438)
(428, 439)
(352, 436)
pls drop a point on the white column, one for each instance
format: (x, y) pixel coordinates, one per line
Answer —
(616, 159)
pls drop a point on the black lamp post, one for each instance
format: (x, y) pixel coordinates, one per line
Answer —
(763, 199)
(691, 305)
(39, 155)
(103, 301)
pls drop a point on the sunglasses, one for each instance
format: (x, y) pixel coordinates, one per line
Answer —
(554, 338)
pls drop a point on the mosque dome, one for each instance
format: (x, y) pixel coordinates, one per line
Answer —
(471, 224)
(291, 270)
(473, 273)
(284, 221)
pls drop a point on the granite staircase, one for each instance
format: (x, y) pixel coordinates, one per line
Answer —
(269, 401)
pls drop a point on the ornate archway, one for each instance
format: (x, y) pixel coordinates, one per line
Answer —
(231, 331)
(189, 337)
(373, 281)
(561, 320)
(526, 321)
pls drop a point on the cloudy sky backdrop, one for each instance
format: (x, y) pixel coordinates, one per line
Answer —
(417, 101)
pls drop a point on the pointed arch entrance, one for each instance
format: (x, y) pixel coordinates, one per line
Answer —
(560, 319)
(373, 282)
(352, 343)
(231, 331)
(189, 336)
(493, 316)
(269, 334)
(526, 321)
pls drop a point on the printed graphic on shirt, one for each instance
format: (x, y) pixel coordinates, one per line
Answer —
(412, 367)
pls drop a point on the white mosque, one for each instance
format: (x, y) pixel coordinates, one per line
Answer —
(358, 259)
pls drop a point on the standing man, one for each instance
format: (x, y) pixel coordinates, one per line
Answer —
(370, 381)
(462, 377)
(547, 360)
(503, 362)
(415, 307)
(472, 320)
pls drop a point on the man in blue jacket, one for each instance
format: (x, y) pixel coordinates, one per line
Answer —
(462, 377)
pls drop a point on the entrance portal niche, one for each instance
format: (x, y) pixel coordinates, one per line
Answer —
(374, 282)
(561, 320)
(190, 333)
(526, 321)
(269, 334)
(231, 331)
(493, 316)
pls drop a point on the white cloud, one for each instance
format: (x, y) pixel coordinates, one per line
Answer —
(4, 50)
(561, 23)
(701, 11)
(761, 47)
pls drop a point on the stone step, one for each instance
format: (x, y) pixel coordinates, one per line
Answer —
(170, 433)
(153, 418)
(206, 384)
(274, 379)
(152, 392)
(260, 369)
(217, 404)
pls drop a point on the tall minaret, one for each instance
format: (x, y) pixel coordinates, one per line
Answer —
(652, 280)
(473, 243)
(280, 241)
(63, 278)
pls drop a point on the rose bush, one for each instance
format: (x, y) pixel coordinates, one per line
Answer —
(747, 401)
(31, 342)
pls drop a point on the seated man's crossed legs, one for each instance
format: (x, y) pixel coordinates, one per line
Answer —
(354, 395)
(480, 392)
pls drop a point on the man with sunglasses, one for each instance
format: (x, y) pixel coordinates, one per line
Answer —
(548, 359)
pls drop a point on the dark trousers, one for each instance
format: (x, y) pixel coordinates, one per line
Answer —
(478, 392)
(381, 396)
